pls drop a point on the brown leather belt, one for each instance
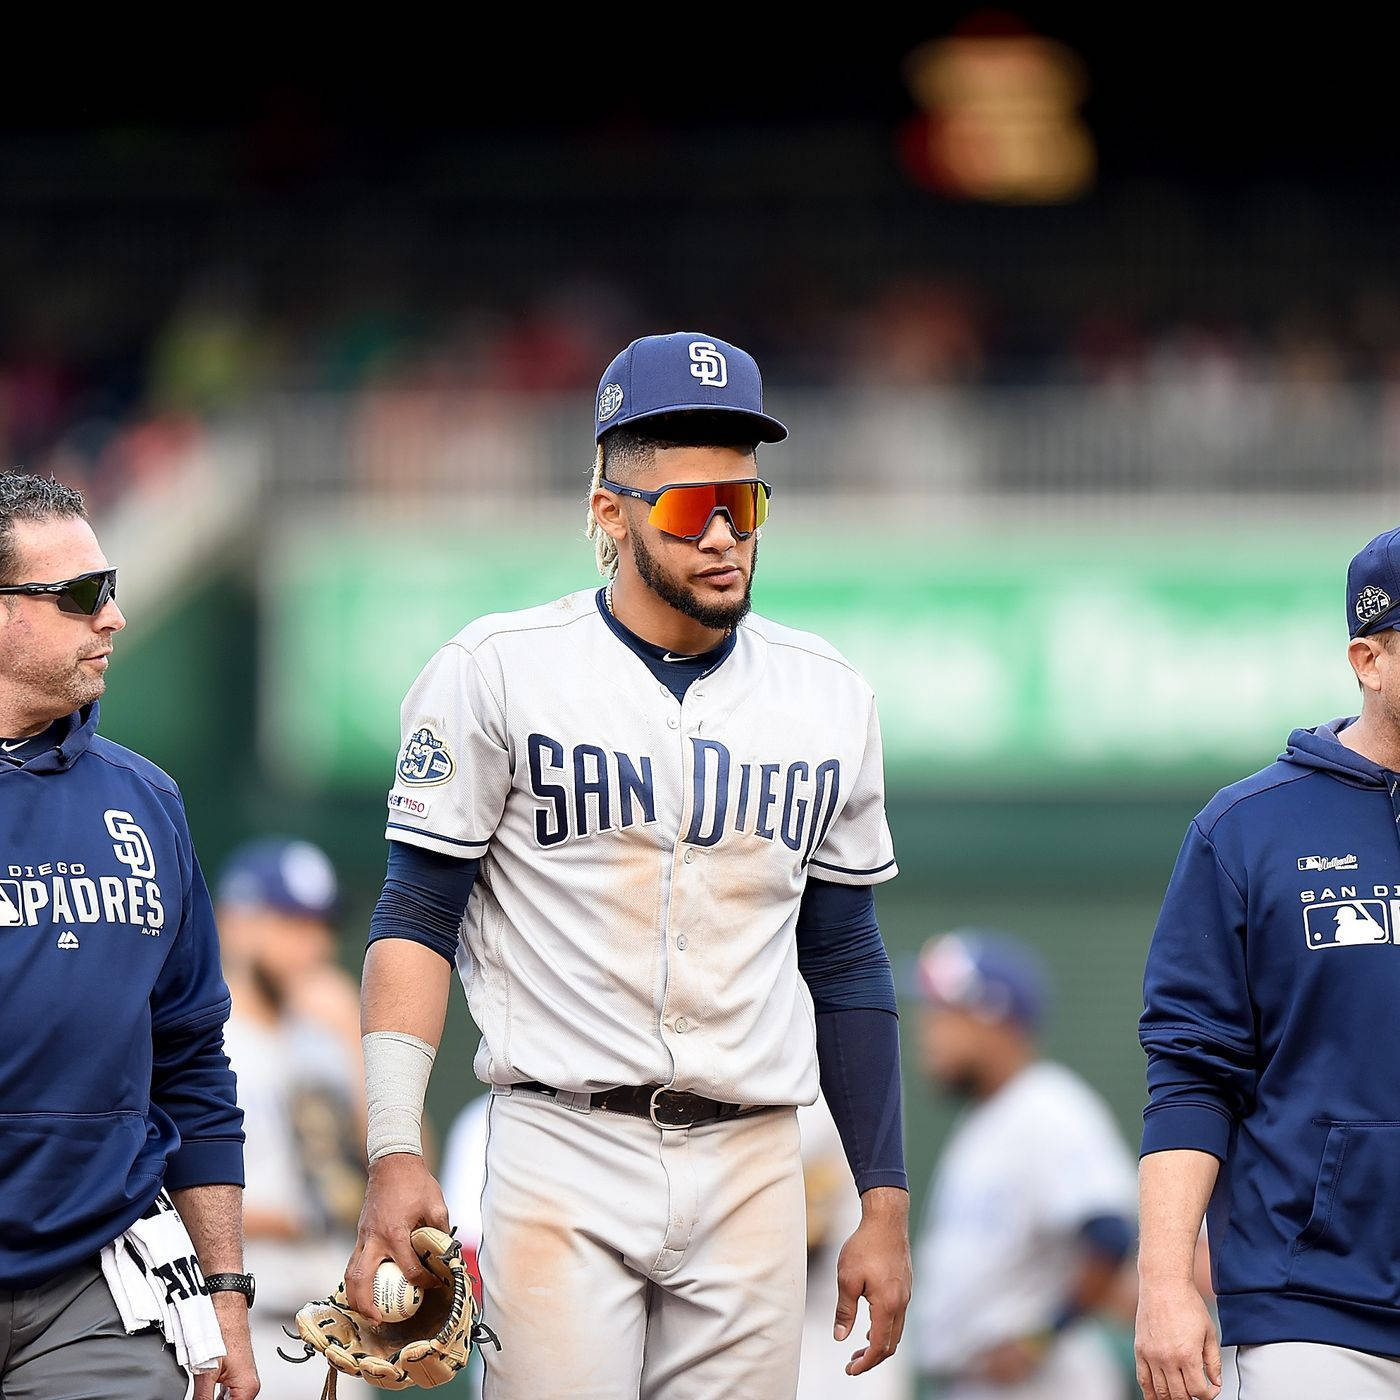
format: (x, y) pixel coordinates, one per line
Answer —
(667, 1108)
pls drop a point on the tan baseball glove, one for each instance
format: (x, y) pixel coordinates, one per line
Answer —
(427, 1349)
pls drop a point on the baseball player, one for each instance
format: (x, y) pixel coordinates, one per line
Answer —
(1030, 1215)
(121, 1142)
(657, 821)
(833, 1212)
(462, 1177)
(1270, 993)
(299, 1084)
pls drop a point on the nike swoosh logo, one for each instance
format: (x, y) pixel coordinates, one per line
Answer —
(10, 748)
(671, 656)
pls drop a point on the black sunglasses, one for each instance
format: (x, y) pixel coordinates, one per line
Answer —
(85, 595)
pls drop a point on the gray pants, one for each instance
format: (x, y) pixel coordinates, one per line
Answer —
(1307, 1371)
(64, 1341)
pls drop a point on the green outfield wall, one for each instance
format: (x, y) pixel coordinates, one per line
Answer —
(1061, 661)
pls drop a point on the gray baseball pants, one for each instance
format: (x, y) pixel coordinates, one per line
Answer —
(1307, 1371)
(64, 1340)
(621, 1260)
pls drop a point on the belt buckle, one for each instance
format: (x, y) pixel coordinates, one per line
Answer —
(686, 1118)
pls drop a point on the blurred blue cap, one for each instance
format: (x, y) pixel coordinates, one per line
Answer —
(992, 974)
(1373, 586)
(684, 372)
(276, 872)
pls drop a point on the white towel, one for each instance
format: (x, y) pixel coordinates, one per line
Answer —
(154, 1275)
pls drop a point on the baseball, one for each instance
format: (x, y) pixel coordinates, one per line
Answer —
(394, 1296)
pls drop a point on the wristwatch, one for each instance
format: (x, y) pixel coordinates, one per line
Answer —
(232, 1283)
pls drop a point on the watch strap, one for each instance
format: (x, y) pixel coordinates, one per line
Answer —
(231, 1283)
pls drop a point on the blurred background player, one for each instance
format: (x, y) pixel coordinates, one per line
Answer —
(293, 1040)
(462, 1178)
(1031, 1211)
(833, 1212)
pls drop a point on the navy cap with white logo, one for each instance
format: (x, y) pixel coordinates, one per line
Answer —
(993, 975)
(1373, 586)
(684, 372)
(294, 877)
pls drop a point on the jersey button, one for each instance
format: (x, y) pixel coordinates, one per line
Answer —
(672, 722)
(689, 856)
(682, 943)
(682, 1026)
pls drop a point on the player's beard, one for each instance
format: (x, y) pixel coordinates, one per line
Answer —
(720, 616)
(268, 986)
(962, 1085)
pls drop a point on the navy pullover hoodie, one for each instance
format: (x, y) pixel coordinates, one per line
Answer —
(113, 1078)
(1272, 1031)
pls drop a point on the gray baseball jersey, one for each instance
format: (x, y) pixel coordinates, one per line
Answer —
(642, 859)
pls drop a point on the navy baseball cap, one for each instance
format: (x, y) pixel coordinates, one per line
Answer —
(1373, 586)
(684, 372)
(276, 872)
(992, 974)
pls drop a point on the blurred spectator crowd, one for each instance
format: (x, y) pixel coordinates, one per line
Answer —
(162, 281)
(106, 407)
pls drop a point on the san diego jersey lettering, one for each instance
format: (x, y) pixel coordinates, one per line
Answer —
(643, 859)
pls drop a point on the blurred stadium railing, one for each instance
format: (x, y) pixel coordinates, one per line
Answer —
(1188, 442)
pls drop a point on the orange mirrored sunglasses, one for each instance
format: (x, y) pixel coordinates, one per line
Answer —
(686, 508)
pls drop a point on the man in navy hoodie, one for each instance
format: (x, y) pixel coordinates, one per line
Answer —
(114, 1087)
(1272, 1031)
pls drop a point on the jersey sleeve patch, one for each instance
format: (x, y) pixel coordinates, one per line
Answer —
(425, 760)
(406, 804)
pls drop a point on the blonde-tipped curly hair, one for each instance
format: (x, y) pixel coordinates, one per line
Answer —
(604, 546)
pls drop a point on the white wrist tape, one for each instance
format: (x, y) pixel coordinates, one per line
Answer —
(397, 1067)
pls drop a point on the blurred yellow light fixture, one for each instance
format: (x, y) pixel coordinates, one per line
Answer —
(1001, 116)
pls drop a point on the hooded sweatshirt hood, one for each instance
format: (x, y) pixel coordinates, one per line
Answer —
(1322, 748)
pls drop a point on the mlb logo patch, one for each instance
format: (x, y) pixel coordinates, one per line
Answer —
(11, 908)
(1343, 923)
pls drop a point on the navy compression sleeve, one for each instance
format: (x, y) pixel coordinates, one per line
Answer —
(843, 961)
(424, 897)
